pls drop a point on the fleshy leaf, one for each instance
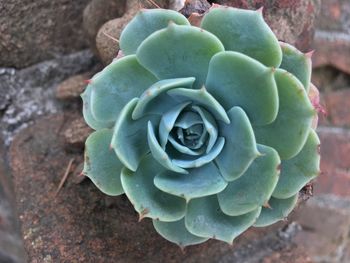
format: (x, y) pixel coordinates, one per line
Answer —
(209, 124)
(89, 119)
(179, 51)
(177, 233)
(167, 122)
(235, 79)
(279, 209)
(118, 83)
(158, 152)
(204, 218)
(184, 149)
(244, 31)
(297, 63)
(198, 162)
(144, 24)
(288, 133)
(155, 101)
(147, 199)
(240, 146)
(203, 181)
(254, 188)
(101, 164)
(130, 137)
(203, 98)
(298, 171)
(188, 119)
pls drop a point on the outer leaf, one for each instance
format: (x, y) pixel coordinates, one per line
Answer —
(89, 119)
(300, 170)
(179, 51)
(254, 188)
(148, 200)
(118, 83)
(240, 147)
(297, 63)
(101, 164)
(130, 137)
(288, 133)
(202, 181)
(144, 24)
(204, 218)
(244, 31)
(155, 101)
(177, 233)
(235, 79)
(203, 98)
(280, 209)
(158, 152)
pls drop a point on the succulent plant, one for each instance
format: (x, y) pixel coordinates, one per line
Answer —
(208, 130)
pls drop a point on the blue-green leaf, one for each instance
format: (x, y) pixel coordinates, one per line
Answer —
(144, 24)
(202, 181)
(298, 171)
(130, 137)
(235, 79)
(254, 188)
(101, 164)
(147, 199)
(244, 31)
(155, 101)
(240, 146)
(204, 218)
(118, 83)
(89, 119)
(297, 63)
(288, 133)
(179, 51)
(278, 210)
(177, 233)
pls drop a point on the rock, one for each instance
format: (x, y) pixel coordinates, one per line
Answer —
(326, 224)
(337, 104)
(72, 87)
(33, 31)
(75, 133)
(98, 12)
(11, 246)
(28, 93)
(81, 224)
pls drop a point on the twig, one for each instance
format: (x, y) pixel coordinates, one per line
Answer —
(154, 3)
(109, 36)
(65, 176)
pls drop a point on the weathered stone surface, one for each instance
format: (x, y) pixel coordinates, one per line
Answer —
(337, 104)
(98, 12)
(33, 31)
(335, 162)
(72, 87)
(81, 224)
(326, 226)
(75, 133)
(28, 93)
(11, 246)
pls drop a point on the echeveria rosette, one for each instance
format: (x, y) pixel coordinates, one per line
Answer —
(208, 130)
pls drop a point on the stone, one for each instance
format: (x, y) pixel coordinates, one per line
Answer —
(326, 224)
(81, 224)
(337, 104)
(98, 12)
(76, 133)
(28, 93)
(72, 87)
(335, 162)
(33, 31)
(11, 246)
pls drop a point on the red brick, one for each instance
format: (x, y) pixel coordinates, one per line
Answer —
(335, 162)
(325, 230)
